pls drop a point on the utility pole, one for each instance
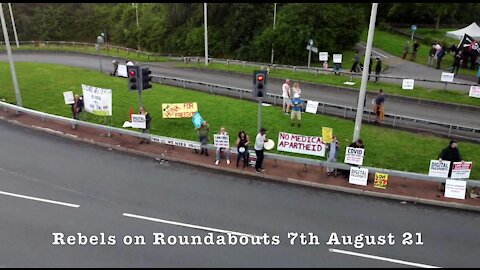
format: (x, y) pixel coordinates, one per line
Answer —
(10, 57)
(136, 14)
(310, 51)
(274, 17)
(363, 86)
(206, 32)
(13, 24)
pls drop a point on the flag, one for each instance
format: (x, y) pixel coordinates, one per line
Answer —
(468, 44)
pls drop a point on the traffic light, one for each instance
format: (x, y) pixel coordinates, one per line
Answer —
(133, 78)
(259, 84)
(146, 78)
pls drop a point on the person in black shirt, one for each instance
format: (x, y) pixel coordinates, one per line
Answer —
(452, 154)
(77, 107)
(378, 68)
(143, 111)
(415, 49)
(242, 148)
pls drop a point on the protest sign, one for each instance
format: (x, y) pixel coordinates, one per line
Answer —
(179, 110)
(439, 168)
(474, 91)
(358, 176)
(197, 120)
(354, 156)
(221, 141)
(455, 189)
(461, 170)
(68, 97)
(337, 58)
(301, 144)
(312, 107)
(447, 77)
(122, 71)
(97, 100)
(381, 180)
(327, 134)
(139, 121)
(323, 56)
(408, 84)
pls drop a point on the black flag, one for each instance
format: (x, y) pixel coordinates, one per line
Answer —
(468, 44)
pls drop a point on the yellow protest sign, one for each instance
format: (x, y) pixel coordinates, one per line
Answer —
(179, 110)
(327, 134)
(381, 180)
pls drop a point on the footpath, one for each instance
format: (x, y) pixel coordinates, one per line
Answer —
(403, 189)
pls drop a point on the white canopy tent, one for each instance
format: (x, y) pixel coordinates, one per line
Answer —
(472, 30)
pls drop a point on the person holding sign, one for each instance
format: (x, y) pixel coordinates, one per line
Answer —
(452, 154)
(77, 107)
(203, 133)
(143, 111)
(225, 150)
(357, 144)
(242, 148)
(297, 109)
(332, 153)
(259, 143)
(378, 68)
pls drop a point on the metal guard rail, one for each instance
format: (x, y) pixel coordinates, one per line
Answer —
(275, 97)
(221, 60)
(306, 161)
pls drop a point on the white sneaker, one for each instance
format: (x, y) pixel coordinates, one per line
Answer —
(216, 162)
(228, 161)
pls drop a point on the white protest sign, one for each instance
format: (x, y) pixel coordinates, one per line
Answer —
(461, 170)
(312, 107)
(139, 121)
(408, 84)
(68, 96)
(323, 56)
(358, 176)
(122, 71)
(354, 156)
(175, 142)
(474, 91)
(337, 58)
(221, 141)
(455, 189)
(301, 144)
(439, 168)
(97, 101)
(447, 77)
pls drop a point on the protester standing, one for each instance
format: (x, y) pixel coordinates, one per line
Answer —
(406, 48)
(370, 66)
(242, 148)
(226, 150)
(332, 153)
(431, 55)
(456, 62)
(146, 130)
(203, 133)
(77, 108)
(415, 50)
(286, 96)
(296, 110)
(378, 106)
(259, 143)
(439, 55)
(450, 153)
(378, 68)
(296, 88)
(357, 144)
(356, 60)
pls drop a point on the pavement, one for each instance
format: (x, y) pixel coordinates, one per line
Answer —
(124, 189)
(334, 95)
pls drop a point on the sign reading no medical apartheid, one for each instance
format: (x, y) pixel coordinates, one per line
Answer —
(301, 144)
(139, 121)
(68, 97)
(327, 134)
(354, 156)
(179, 110)
(439, 168)
(197, 120)
(381, 180)
(97, 100)
(221, 141)
(474, 91)
(461, 170)
(358, 176)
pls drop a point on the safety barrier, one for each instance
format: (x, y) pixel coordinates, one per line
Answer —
(299, 160)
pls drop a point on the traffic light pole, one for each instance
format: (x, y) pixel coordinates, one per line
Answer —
(259, 115)
(140, 98)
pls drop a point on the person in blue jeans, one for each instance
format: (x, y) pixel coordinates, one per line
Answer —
(297, 109)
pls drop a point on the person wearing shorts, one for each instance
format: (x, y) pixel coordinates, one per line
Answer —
(286, 95)
(297, 109)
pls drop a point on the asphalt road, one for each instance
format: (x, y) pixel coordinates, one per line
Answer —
(109, 188)
(309, 91)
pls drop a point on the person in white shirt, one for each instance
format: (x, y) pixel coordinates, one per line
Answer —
(259, 142)
(296, 88)
(286, 95)
(226, 150)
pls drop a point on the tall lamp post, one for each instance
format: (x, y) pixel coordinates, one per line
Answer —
(206, 32)
(13, 24)
(100, 42)
(363, 86)
(274, 18)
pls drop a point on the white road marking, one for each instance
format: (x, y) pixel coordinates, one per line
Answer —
(376, 52)
(381, 258)
(39, 199)
(188, 225)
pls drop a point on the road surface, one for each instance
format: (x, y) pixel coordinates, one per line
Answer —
(309, 91)
(101, 193)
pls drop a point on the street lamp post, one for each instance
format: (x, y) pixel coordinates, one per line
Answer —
(206, 32)
(98, 47)
(363, 86)
(13, 24)
(274, 18)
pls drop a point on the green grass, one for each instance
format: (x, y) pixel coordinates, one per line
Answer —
(131, 54)
(336, 80)
(394, 43)
(42, 86)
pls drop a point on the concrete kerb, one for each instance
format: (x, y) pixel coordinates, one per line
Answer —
(243, 172)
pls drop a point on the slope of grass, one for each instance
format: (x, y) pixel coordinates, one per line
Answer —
(42, 86)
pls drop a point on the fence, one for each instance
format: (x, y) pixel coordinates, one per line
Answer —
(299, 160)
